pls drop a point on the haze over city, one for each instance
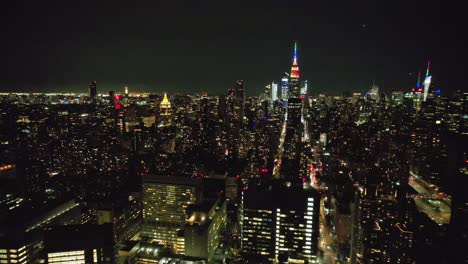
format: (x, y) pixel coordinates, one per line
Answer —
(202, 45)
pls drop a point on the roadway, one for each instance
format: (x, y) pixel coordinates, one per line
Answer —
(326, 242)
(435, 204)
(279, 156)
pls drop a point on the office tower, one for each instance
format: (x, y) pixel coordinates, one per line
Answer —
(397, 97)
(430, 153)
(304, 90)
(126, 99)
(233, 126)
(454, 114)
(294, 127)
(22, 249)
(121, 122)
(294, 112)
(165, 106)
(280, 223)
(165, 111)
(257, 224)
(21, 226)
(167, 135)
(292, 142)
(111, 98)
(239, 99)
(294, 76)
(417, 94)
(374, 92)
(274, 92)
(80, 244)
(125, 216)
(33, 147)
(23, 221)
(239, 90)
(165, 200)
(427, 82)
(221, 108)
(92, 91)
(294, 106)
(204, 227)
(285, 88)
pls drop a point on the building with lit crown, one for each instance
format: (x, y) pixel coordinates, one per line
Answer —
(165, 112)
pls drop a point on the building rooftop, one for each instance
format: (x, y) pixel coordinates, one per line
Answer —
(164, 179)
(74, 237)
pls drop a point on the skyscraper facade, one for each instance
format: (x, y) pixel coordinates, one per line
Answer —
(427, 82)
(294, 127)
(274, 92)
(92, 91)
(280, 223)
(165, 199)
(294, 76)
(285, 88)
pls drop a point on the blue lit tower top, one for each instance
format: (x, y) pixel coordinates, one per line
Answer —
(294, 76)
(418, 84)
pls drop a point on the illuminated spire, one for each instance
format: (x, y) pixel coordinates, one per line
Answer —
(428, 66)
(418, 84)
(165, 106)
(295, 53)
(427, 82)
(295, 67)
(165, 100)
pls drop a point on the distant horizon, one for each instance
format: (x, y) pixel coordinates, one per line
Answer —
(144, 88)
(208, 46)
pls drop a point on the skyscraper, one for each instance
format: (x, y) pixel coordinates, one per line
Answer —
(274, 92)
(294, 128)
(304, 89)
(239, 99)
(285, 87)
(165, 111)
(427, 81)
(280, 223)
(92, 91)
(294, 76)
(294, 102)
(165, 199)
(234, 124)
(126, 96)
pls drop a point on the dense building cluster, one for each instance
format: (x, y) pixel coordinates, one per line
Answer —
(287, 176)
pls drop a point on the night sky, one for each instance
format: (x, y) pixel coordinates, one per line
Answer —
(196, 46)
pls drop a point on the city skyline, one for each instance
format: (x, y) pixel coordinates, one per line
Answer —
(260, 160)
(203, 47)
